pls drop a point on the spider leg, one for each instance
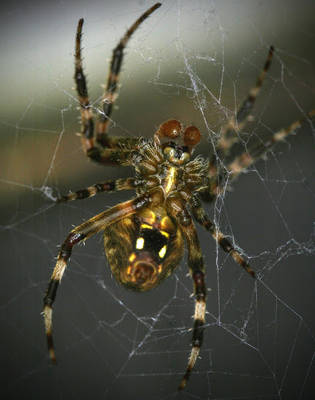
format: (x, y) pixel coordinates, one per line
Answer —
(110, 95)
(228, 137)
(107, 186)
(107, 156)
(214, 187)
(202, 218)
(80, 234)
(246, 159)
(82, 91)
(112, 154)
(197, 272)
(217, 178)
(237, 123)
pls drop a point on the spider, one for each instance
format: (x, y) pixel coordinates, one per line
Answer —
(144, 238)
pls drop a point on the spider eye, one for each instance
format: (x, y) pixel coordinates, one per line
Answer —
(192, 136)
(171, 129)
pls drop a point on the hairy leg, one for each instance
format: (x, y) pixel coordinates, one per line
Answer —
(217, 177)
(80, 234)
(177, 209)
(246, 159)
(107, 150)
(107, 186)
(110, 94)
(228, 133)
(202, 218)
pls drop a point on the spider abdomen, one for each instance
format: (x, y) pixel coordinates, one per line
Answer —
(143, 249)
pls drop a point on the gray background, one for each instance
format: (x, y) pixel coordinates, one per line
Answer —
(112, 343)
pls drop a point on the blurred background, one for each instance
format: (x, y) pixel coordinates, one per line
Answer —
(194, 61)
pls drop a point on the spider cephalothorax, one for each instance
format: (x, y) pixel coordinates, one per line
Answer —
(144, 237)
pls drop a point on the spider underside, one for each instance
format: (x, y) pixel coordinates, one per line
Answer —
(144, 238)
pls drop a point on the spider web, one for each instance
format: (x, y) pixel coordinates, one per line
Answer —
(194, 61)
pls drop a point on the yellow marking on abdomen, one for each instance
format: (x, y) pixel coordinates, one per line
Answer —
(140, 243)
(166, 234)
(146, 226)
(162, 252)
(132, 257)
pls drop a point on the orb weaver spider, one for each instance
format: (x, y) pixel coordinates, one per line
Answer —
(144, 237)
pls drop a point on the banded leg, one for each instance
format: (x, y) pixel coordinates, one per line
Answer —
(246, 159)
(196, 269)
(87, 122)
(214, 186)
(107, 186)
(115, 155)
(228, 135)
(236, 124)
(78, 235)
(225, 244)
(109, 96)
(217, 178)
